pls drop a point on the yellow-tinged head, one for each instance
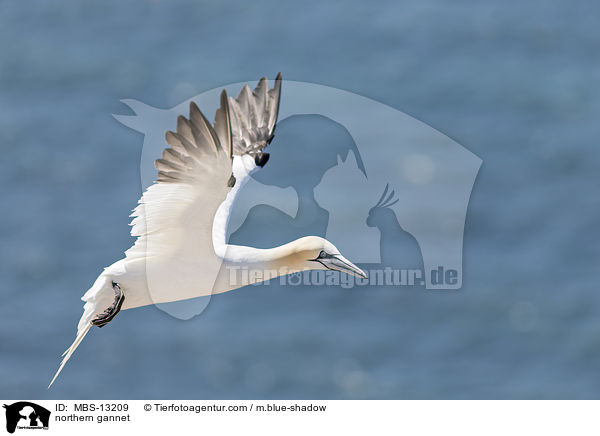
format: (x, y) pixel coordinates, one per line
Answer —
(314, 252)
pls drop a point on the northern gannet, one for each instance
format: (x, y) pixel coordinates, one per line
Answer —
(181, 220)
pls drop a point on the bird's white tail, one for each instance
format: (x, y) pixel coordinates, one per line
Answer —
(69, 351)
(97, 299)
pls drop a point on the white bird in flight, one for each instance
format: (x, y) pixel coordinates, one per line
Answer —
(181, 220)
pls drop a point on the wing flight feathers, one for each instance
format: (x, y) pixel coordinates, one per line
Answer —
(194, 145)
(194, 171)
(223, 124)
(254, 116)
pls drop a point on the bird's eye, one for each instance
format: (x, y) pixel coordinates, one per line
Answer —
(322, 254)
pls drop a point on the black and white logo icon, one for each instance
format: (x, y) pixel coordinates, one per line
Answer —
(26, 415)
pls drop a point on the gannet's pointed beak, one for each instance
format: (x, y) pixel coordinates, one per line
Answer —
(337, 262)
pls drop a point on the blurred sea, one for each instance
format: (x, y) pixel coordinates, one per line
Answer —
(516, 83)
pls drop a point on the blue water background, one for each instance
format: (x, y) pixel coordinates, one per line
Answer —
(514, 82)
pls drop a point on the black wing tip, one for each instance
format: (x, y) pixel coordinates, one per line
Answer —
(261, 159)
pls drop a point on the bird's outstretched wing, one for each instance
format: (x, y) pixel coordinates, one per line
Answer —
(175, 214)
(254, 116)
(174, 254)
(174, 220)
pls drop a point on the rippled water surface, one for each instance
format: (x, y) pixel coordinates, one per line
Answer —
(515, 83)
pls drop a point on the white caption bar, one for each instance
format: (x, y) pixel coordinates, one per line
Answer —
(301, 417)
